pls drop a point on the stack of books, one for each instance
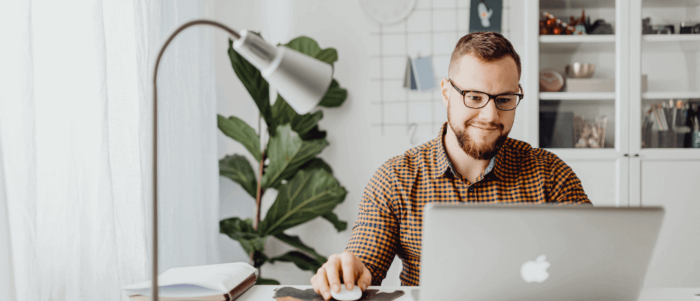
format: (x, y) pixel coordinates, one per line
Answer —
(218, 282)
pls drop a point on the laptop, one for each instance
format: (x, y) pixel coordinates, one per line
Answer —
(536, 252)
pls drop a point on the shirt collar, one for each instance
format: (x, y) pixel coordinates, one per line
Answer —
(442, 162)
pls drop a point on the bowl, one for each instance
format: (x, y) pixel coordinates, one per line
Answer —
(580, 70)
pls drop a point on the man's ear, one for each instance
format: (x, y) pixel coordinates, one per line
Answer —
(445, 90)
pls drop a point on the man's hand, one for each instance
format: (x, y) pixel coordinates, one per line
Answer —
(343, 266)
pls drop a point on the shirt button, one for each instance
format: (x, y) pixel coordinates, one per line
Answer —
(471, 188)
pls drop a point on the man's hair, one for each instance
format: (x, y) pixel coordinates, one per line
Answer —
(486, 47)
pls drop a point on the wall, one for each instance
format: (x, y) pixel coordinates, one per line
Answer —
(356, 148)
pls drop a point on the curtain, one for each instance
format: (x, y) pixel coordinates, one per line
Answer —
(76, 144)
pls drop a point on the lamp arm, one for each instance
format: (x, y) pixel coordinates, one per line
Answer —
(235, 35)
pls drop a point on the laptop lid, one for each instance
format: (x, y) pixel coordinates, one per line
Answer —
(536, 252)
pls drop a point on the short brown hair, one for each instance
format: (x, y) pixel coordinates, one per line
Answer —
(485, 46)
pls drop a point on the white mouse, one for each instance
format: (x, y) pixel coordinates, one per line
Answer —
(347, 295)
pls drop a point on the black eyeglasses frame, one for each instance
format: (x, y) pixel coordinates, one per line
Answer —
(464, 93)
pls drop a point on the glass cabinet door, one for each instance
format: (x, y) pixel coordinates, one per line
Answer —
(577, 74)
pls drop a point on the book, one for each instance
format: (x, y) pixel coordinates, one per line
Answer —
(218, 282)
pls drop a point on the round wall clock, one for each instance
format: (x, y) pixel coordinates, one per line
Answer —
(388, 11)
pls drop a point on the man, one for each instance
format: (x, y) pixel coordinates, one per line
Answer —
(471, 161)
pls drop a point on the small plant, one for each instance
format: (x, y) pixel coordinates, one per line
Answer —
(288, 163)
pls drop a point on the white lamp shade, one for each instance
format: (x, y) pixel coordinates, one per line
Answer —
(300, 79)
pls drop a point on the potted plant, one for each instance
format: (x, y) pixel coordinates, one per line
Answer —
(288, 163)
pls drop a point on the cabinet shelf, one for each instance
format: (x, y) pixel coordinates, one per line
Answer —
(669, 95)
(671, 38)
(558, 39)
(577, 95)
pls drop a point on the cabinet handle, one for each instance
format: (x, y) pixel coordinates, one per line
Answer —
(636, 155)
(626, 155)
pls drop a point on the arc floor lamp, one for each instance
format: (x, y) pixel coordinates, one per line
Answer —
(300, 79)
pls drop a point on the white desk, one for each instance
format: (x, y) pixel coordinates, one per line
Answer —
(265, 292)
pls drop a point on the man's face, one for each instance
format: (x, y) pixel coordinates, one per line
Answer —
(480, 132)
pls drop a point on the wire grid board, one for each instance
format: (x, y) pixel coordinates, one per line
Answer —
(432, 29)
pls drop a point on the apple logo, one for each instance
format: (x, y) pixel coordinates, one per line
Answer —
(535, 271)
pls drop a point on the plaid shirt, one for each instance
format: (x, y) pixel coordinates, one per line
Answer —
(390, 218)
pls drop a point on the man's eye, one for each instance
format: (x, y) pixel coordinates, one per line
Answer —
(503, 100)
(475, 98)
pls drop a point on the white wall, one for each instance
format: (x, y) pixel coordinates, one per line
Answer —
(356, 149)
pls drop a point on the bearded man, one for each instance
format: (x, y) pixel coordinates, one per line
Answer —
(471, 161)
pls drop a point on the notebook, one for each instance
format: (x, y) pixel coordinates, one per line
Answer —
(225, 281)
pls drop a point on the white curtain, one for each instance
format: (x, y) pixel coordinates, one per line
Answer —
(76, 143)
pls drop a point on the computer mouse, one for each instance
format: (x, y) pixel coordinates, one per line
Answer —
(347, 295)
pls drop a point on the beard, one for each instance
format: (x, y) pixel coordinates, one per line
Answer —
(479, 151)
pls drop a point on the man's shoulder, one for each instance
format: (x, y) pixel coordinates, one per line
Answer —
(412, 159)
(523, 152)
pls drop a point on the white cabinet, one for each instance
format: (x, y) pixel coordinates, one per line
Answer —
(644, 165)
(670, 63)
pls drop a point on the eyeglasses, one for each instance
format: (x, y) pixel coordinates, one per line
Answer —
(478, 100)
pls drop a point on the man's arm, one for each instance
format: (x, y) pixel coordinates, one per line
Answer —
(565, 186)
(376, 232)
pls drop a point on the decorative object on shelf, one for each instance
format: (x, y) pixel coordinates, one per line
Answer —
(600, 27)
(388, 11)
(671, 124)
(550, 25)
(580, 70)
(551, 80)
(485, 15)
(288, 163)
(648, 28)
(689, 28)
(590, 134)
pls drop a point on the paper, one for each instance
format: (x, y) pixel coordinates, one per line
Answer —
(196, 281)
(419, 74)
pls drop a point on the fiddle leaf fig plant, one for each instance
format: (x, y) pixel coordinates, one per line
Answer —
(288, 163)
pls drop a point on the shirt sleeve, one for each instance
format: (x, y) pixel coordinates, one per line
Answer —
(375, 234)
(565, 187)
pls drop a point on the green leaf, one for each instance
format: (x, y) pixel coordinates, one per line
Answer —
(317, 163)
(337, 223)
(240, 131)
(252, 79)
(309, 194)
(238, 169)
(328, 55)
(304, 45)
(335, 96)
(314, 134)
(243, 232)
(299, 259)
(287, 152)
(264, 281)
(294, 241)
(282, 113)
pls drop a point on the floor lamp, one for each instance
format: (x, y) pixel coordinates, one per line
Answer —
(300, 79)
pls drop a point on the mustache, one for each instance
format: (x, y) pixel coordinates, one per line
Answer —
(484, 124)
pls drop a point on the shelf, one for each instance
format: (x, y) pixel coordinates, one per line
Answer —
(579, 43)
(665, 154)
(669, 3)
(584, 154)
(670, 95)
(597, 38)
(671, 38)
(577, 4)
(577, 95)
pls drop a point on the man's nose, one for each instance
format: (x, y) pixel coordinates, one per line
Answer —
(489, 112)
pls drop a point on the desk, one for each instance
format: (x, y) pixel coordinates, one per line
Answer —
(264, 293)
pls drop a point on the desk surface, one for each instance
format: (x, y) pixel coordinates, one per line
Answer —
(265, 292)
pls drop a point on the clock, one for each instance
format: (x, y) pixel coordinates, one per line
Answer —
(388, 11)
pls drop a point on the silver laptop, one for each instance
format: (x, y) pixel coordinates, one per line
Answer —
(536, 252)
